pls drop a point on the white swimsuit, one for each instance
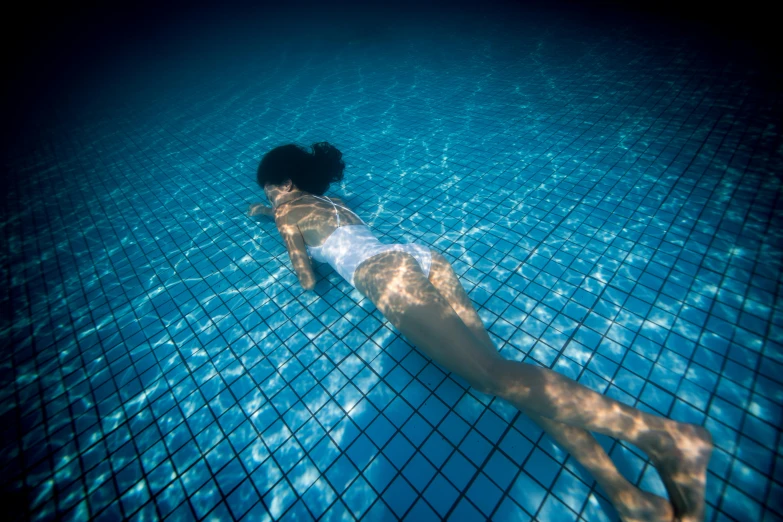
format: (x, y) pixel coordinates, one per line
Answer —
(351, 245)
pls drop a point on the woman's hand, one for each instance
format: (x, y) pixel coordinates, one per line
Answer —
(259, 209)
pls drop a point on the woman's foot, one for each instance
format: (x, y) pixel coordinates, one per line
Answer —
(680, 452)
(640, 506)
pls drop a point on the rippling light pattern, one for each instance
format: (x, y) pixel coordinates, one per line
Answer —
(612, 206)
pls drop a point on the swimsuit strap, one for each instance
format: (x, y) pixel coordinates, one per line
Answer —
(329, 200)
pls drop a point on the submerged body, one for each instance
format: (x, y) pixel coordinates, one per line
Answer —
(428, 305)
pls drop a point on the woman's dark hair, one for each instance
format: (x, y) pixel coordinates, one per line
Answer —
(310, 171)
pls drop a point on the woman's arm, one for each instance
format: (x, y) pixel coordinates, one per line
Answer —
(297, 251)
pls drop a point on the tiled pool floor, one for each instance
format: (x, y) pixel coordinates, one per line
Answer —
(612, 205)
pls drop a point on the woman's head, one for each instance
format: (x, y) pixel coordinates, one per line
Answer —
(311, 172)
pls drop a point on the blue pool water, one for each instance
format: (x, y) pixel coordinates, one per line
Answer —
(610, 198)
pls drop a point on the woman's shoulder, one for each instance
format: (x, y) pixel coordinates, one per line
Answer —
(307, 199)
(334, 199)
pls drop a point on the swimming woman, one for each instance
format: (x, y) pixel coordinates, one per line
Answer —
(417, 290)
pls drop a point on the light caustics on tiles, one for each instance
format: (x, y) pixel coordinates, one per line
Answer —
(615, 220)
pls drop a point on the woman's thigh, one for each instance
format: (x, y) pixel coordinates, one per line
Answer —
(394, 282)
(445, 280)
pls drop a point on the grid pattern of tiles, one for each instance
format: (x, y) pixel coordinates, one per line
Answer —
(612, 208)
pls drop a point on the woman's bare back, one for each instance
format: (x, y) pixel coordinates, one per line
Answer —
(316, 218)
